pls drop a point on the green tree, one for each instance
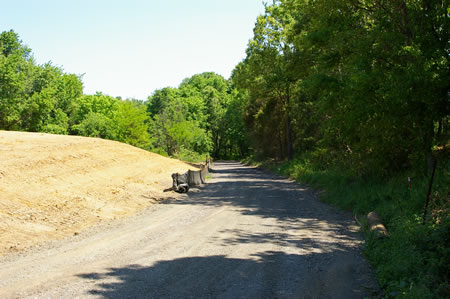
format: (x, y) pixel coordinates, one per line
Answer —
(200, 104)
(160, 99)
(96, 125)
(33, 97)
(98, 103)
(15, 69)
(267, 76)
(361, 83)
(132, 124)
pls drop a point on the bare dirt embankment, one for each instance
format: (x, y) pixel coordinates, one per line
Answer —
(53, 186)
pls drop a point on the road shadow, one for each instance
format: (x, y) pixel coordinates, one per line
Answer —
(323, 263)
(269, 275)
(250, 191)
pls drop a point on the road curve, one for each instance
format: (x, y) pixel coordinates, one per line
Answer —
(244, 234)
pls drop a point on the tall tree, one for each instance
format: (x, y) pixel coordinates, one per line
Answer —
(16, 67)
(362, 83)
(267, 75)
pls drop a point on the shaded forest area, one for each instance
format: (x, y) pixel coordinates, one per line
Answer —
(350, 96)
(359, 84)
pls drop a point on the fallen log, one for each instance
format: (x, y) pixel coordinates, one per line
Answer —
(182, 182)
(376, 225)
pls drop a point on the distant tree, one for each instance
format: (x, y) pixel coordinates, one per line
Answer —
(132, 124)
(196, 109)
(160, 99)
(10, 44)
(195, 118)
(96, 125)
(98, 103)
(15, 69)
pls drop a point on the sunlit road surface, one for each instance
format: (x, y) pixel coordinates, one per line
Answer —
(246, 234)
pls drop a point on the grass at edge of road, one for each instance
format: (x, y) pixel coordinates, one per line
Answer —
(413, 261)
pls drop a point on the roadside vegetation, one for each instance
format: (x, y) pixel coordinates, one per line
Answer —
(351, 97)
(412, 262)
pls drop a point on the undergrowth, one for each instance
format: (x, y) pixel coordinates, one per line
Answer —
(413, 262)
(189, 156)
(183, 155)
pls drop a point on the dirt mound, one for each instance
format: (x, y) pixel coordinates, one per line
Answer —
(53, 186)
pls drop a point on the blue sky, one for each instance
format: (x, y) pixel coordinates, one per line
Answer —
(130, 48)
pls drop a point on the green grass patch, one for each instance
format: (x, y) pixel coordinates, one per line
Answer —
(413, 262)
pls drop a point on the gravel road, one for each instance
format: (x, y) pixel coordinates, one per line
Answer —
(246, 234)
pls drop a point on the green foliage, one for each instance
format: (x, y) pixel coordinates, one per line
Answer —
(413, 262)
(93, 116)
(98, 103)
(233, 128)
(95, 125)
(107, 117)
(54, 129)
(188, 135)
(33, 97)
(131, 123)
(159, 151)
(160, 100)
(15, 70)
(42, 98)
(190, 156)
(361, 83)
(58, 123)
(202, 115)
(10, 44)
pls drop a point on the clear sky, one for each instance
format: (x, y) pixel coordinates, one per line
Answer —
(130, 48)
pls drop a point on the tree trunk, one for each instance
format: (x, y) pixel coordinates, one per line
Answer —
(280, 142)
(428, 142)
(430, 186)
(217, 146)
(290, 151)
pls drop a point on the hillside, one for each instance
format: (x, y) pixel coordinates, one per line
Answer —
(53, 186)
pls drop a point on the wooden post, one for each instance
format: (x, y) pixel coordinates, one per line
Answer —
(427, 201)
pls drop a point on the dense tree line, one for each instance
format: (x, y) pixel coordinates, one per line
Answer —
(359, 84)
(43, 98)
(201, 116)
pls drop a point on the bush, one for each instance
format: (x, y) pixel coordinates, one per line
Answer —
(54, 129)
(95, 125)
(190, 156)
(159, 151)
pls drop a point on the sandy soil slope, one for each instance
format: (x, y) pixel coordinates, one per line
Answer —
(53, 186)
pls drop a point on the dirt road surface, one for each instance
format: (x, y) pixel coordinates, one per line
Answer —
(246, 234)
